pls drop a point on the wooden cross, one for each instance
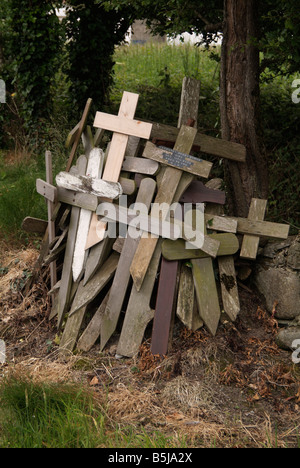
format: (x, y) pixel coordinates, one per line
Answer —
(166, 194)
(251, 243)
(122, 127)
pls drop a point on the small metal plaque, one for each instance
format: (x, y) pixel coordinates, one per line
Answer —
(178, 159)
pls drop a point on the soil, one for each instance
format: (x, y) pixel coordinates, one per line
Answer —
(237, 389)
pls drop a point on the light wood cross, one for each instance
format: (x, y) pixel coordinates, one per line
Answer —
(122, 127)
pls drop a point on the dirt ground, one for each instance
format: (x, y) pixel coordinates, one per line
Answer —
(237, 389)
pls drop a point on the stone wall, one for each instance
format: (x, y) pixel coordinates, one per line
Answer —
(277, 278)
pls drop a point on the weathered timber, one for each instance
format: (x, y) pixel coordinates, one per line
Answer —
(187, 308)
(34, 225)
(228, 280)
(78, 133)
(206, 144)
(139, 313)
(229, 287)
(165, 195)
(48, 191)
(141, 166)
(206, 293)
(86, 294)
(50, 205)
(178, 250)
(94, 169)
(80, 200)
(122, 276)
(92, 331)
(197, 192)
(164, 307)
(157, 228)
(89, 185)
(262, 228)
(66, 279)
(250, 244)
(71, 332)
(178, 160)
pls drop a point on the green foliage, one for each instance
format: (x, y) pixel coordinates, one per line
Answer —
(92, 34)
(156, 72)
(279, 23)
(41, 415)
(18, 196)
(280, 36)
(35, 43)
(30, 38)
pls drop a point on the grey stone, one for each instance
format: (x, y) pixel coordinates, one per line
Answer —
(281, 286)
(293, 259)
(287, 336)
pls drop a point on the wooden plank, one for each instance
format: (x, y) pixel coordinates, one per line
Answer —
(250, 244)
(177, 250)
(139, 313)
(48, 191)
(115, 158)
(78, 134)
(198, 193)
(89, 185)
(156, 227)
(94, 169)
(164, 307)
(141, 166)
(123, 125)
(51, 224)
(128, 186)
(204, 143)
(187, 309)
(166, 195)
(54, 254)
(177, 159)
(86, 294)
(92, 332)
(206, 293)
(227, 274)
(221, 223)
(71, 332)
(66, 279)
(189, 105)
(34, 225)
(262, 228)
(71, 136)
(80, 200)
(229, 287)
(122, 276)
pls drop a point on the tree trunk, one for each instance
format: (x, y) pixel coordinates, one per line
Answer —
(240, 104)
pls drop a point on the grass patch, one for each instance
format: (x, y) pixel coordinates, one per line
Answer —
(156, 71)
(41, 415)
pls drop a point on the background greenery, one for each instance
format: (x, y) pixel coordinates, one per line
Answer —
(156, 72)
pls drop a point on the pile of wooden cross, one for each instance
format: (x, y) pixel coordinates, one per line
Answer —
(101, 281)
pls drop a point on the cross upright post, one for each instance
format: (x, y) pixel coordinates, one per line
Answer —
(122, 127)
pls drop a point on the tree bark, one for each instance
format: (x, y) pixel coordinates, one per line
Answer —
(240, 104)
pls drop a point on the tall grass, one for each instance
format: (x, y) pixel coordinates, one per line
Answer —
(40, 415)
